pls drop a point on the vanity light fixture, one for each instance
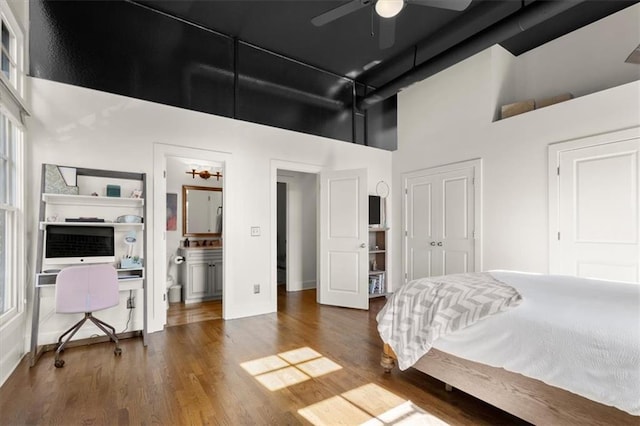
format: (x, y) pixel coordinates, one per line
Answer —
(204, 173)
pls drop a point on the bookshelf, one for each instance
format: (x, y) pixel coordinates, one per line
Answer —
(377, 261)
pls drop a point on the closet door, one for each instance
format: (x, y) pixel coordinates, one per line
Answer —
(439, 222)
(420, 233)
(598, 211)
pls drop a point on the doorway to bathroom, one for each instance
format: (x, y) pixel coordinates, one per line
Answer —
(193, 240)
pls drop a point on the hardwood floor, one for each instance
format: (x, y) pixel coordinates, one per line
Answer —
(181, 314)
(229, 372)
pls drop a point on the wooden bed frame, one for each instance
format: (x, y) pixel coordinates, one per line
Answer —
(526, 398)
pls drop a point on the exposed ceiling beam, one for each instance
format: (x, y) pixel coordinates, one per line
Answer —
(520, 21)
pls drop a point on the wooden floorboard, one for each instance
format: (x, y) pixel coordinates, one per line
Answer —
(231, 373)
(180, 314)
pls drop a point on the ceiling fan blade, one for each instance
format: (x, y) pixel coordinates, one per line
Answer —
(458, 5)
(387, 32)
(339, 12)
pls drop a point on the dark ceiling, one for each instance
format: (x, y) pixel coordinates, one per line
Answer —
(349, 46)
(266, 62)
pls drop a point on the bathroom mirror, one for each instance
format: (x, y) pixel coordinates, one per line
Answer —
(201, 211)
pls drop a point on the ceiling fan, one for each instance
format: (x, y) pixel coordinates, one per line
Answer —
(386, 10)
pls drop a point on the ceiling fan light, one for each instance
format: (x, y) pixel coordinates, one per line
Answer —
(389, 8)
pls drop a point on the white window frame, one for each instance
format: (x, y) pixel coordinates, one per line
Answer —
(16, 53)
(12, 106)
(15, 238)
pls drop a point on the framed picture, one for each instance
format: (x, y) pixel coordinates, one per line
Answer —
(172, 212)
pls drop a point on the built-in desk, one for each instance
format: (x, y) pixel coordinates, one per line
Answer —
(128, 278)
(73, 196)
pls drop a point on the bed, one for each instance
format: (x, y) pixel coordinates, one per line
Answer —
(568, 353)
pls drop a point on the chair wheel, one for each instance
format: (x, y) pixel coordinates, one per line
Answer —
(59, 363)
(117, 351)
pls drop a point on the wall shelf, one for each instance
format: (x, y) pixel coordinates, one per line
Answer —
(125, 282)
(377, 261)
(90, 200)
(374, 295)
(117, 225)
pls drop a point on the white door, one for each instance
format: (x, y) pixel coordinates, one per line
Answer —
(598, 211)
(439, 223)
(343, 239)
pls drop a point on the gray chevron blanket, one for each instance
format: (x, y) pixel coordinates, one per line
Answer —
(425, 309)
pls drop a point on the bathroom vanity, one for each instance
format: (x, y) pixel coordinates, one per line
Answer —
(201, 273)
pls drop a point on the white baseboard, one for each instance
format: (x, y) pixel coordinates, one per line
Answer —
(306, 285)
(8, 365)
(12, 336)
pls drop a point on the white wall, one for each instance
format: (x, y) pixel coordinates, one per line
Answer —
(20, 10)
(308, 226)
(448, 118)
(82, 127)
(584, 61)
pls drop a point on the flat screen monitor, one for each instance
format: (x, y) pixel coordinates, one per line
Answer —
(66, 244)
(374, 210)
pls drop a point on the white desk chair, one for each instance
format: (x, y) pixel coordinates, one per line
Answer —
(85, 289)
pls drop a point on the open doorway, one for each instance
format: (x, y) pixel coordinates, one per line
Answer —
(218, 161)
(281, 256)
(194, 240)
(296, 242)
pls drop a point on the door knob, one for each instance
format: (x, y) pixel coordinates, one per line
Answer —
(363, 245)
(439, 243)
(432, 243)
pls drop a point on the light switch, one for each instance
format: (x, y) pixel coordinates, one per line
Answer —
(255, 231)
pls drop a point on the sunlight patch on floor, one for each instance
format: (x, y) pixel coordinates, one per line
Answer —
(369, 405)
(319, 367)
(282, 378)
(299, 355)
(373, 399)
(334, 411)
(407, 414)
(289, 368)
(264, 365)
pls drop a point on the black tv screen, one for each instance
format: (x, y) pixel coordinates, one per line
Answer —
(79, 244)
(374, 210)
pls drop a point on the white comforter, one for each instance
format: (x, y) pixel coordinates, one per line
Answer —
(573, 333)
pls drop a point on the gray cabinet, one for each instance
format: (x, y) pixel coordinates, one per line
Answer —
(201, 274)
(217, 280)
